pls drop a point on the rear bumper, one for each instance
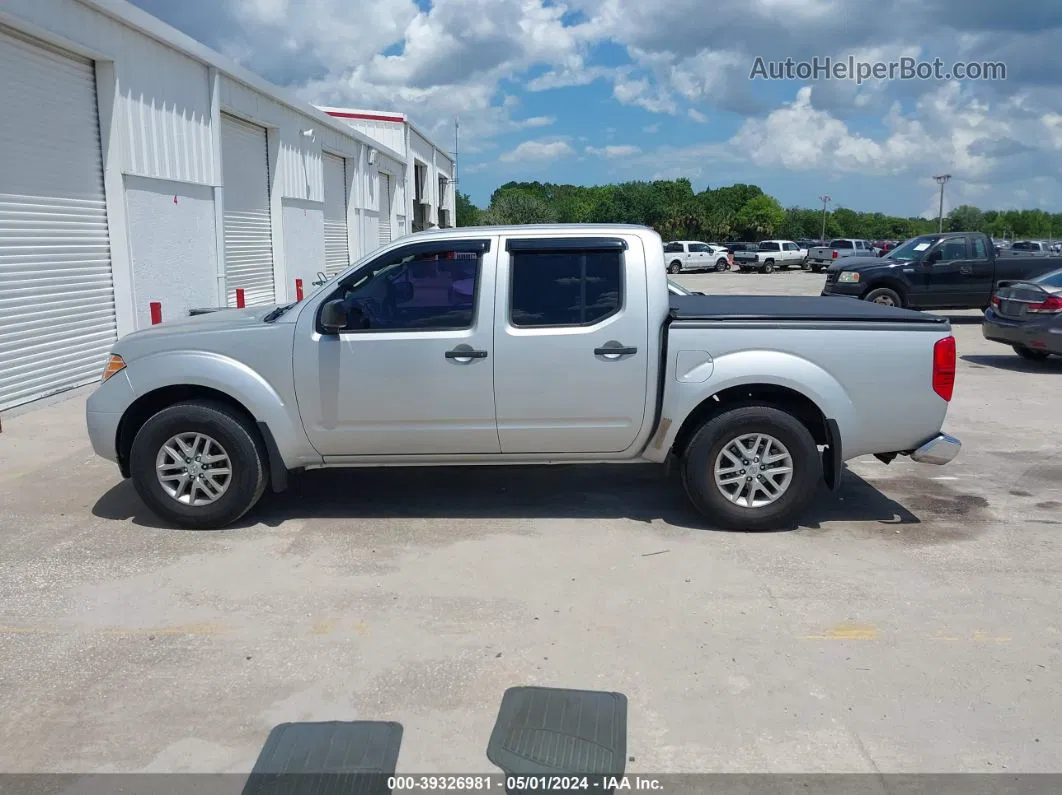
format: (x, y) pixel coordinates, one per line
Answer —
(1043, 336)
(941, 449)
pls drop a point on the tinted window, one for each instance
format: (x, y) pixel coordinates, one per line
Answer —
(1022, 245)
(414, 292)
(979, 249)
(953, 249)
(699, 248)
(673, 248)
(792, 247)
(768, 246)
(565, 288)
(840, 244)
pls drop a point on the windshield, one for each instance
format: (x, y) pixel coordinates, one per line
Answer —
(913, 249)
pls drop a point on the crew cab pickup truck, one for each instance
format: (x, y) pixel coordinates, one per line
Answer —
(823, 256)
(692, 255)
(523, 345)
(941, 271)
(769, 255)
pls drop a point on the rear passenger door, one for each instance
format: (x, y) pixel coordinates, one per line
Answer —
(571, 344)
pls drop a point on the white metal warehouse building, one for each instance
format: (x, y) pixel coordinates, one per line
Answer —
(138, 166)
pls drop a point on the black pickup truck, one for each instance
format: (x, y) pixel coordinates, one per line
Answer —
(956, 270)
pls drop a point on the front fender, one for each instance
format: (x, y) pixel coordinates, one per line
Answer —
(235, 379)
(751, 368)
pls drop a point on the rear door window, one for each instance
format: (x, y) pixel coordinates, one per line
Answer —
(565, 288)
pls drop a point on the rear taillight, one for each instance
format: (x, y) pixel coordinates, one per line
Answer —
(944, 367)
(833, 255)
(996, 301)
(1052, 306)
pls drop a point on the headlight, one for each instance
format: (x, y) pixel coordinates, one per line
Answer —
(848, 276)
(114, 365)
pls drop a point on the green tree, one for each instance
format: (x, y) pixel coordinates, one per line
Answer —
(467, 213)
(517, 207)
(760, 217)
(964, 218)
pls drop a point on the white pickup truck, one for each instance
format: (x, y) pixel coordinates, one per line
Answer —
(822, 257)
(523, 345)
(693, 255)
(769, 255)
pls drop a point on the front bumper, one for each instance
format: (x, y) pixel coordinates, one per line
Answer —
(103, 413)
(1043, 335)
(939, 450)
(850, 289)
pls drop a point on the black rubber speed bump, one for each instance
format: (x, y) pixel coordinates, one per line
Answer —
(543, 734)
(332, 758)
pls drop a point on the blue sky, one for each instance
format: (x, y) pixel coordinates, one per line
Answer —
(594, 91)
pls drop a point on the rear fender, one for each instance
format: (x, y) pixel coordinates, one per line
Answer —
(748, 368)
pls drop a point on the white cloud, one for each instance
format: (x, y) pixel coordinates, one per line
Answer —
(697, 116)
(619, 150)
(538, 150)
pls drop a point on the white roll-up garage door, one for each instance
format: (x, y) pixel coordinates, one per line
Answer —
(57, 318)
(385, 208)
(337, 256)
(248, 230)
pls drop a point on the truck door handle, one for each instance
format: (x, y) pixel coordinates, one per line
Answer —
(465, 352)
(965, 270)
(615, 350)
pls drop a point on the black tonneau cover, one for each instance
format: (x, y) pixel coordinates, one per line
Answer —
(792, 307)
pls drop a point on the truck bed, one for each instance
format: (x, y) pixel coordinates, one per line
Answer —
(792, 308)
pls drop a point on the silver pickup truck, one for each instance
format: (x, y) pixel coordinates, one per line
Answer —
(524, 345)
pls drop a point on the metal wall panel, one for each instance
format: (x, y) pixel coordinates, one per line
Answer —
(385, 208)
(248, 229)
(57, 318)
(337, 255)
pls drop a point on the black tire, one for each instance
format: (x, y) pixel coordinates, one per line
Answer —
(768, 266)
(816, 269)
(240, 440)
(675, 267)
(722, 265)
(883, 295)
(698, 468)
(1030, 354)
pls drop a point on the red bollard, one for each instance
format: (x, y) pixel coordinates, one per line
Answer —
(156, 312)
(240, 301)
(298, 289)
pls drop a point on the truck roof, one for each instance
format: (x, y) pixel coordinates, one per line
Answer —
(534, 229)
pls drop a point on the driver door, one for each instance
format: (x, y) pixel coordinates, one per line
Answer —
(394, 381)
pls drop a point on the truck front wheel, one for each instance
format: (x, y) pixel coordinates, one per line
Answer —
(884, 296)
(198, 464)
(752, 468)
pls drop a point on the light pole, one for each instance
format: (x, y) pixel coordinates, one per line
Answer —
(825, 200)
(941, 179)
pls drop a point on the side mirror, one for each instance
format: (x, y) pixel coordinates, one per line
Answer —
(934, 256)
(334, 316)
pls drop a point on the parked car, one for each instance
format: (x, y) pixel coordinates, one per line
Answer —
(769, 255)
(1027, 315)
(693, 255)
(824, 256)
(569, 347)
(949, 271)
(1021, 248)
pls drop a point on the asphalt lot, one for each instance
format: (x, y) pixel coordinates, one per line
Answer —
(912, 625)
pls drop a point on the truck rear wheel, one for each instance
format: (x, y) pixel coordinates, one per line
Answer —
(752, 468)
(674, 267)
(198, 464)
(768, 266)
